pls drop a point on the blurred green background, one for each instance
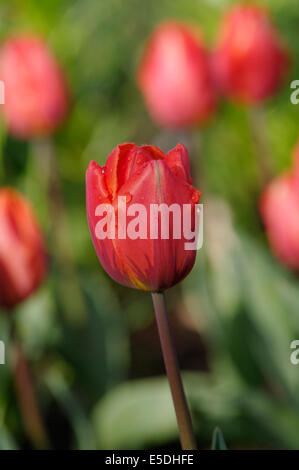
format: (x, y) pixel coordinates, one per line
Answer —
(93, 345)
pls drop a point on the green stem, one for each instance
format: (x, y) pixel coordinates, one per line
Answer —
(69, 291)
(173, 374)
(264, 156)
(26, 397)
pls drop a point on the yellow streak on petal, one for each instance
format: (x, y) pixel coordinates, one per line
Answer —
(138, 284)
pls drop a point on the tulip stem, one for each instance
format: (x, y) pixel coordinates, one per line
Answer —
(26, 397)
(173, 374)
(69, 291)
(257, 122)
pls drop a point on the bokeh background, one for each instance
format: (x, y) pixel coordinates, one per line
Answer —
(92, 345)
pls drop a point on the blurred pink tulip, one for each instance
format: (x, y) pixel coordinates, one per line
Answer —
(36, 97)
(175, 77)
(279, 206)
(250, 61)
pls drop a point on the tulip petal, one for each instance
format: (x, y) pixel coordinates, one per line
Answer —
(96, 193)
(279, 207)
(175, 76)
(157, 263)
(96, 179)
(250, 61)
(155, 152)
(23, 261)
(36, 93)
(178, 161)
(122, 163)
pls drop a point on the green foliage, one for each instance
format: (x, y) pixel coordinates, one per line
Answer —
(218, 442)
(135, 415)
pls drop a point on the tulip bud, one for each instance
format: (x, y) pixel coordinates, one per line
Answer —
(137, 254)
(250, 61)
(36, 98)
(279, 206)
(23, 263)
(175, 77)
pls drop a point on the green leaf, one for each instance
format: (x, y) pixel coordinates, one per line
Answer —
(98, 349)
(6, 440)
(277, 420)
(139, 414)
(218, 442)
(273, 316)
(60, 390)
(135, 415)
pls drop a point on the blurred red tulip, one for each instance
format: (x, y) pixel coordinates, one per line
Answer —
(145, 176)
(175, 77)
(23, 263)
(250, 61)
(36, 98)
(279, 206)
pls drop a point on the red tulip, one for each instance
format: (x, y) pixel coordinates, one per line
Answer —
(145, 176)
(175, 77)
(23, 262)
(36, 98)
(250, 61)
(279, 206)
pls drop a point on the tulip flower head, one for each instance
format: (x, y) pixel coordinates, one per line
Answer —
(36, 98)
(126, 199)
(23, 262)
(175, 77)
(250, 61)
(279, 206)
